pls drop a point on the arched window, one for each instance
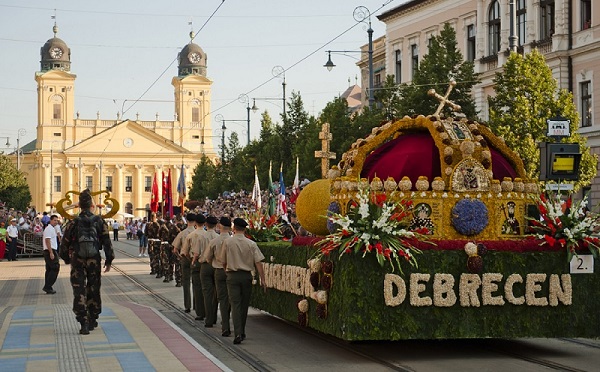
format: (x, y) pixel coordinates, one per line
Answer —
(494, 28)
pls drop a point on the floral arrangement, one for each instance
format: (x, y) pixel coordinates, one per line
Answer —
(375, 225)
(262, 228)
(566, 223)
(469, 216)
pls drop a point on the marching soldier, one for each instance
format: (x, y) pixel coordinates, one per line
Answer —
(194, 252)
(207, 273)
(215, 248)
(165, 251)
(174, 266)
(181, 247)
(154, 245)
(240, 256)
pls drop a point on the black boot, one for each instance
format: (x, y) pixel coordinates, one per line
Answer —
(84, 329)
(93, 325)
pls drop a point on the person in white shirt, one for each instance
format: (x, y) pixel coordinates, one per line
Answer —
(51, 255)
(12, 235)
(115, 227)
(59, 233)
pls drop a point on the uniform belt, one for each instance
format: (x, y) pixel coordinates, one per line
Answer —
(164, 242)
(153, 240)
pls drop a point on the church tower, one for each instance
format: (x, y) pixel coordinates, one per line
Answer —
(192, 101)
(55, 90)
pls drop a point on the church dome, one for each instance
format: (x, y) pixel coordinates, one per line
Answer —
(192, 59)
(55, 54)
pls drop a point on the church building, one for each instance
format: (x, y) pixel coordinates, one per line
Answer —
(122, 156)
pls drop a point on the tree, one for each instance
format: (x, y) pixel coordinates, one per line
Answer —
(442, 63)
(13, 186)
(526, 95)
(202, 178)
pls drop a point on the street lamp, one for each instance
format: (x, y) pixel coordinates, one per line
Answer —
(7, 141)
(243, 98)
(361, 14)
(20, 133)
(278, 71)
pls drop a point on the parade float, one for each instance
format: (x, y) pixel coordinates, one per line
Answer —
(429, 229)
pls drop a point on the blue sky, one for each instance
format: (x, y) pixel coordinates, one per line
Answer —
(125, 50)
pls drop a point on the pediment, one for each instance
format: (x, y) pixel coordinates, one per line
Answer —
(127, 137)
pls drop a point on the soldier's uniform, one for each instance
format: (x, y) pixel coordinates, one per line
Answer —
(215, 248)
(174, 267)
(193, 241)
(239, 256)
(182, 245)
(207, 273)
(165, 251)
(154, 248)
(86, 272)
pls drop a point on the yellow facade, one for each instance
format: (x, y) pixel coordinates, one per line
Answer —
(71, 153)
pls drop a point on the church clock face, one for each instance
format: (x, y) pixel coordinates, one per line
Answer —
(56, 52)
(128, 142)
(194, 57)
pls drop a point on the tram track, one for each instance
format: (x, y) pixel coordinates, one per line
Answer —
(251, 360)
(496, 346)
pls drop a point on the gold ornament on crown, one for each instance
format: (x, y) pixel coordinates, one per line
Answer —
(64, 210)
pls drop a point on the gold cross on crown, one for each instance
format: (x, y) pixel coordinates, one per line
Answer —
(444, 99)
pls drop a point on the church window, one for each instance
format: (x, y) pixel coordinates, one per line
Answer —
(63, 89)
(56, 113)
(494, 28)
(128, 183)
(147, 183)
(195, 136)
(195, 114)
(51, 89)
(57, 184)
(56, 134)
(109, 183)
(89, 182)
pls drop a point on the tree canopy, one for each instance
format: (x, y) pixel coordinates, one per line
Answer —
(13, 185)
(526, 96)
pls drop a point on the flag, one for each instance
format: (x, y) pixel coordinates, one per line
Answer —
(169, 200)
(181, 189)
(163, 190)
(281, 205)
(256, 197)
(154, 196)
(296, 186)
(271, 191)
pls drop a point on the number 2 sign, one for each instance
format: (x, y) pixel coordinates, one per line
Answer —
(582, 264)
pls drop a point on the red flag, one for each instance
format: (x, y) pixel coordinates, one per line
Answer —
(164, 192)
(154, 196)
(169, 205)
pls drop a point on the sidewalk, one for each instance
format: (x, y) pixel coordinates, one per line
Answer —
(39, 332)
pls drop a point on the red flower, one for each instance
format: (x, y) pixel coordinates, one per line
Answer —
(345, 232)
(550, 240)
(378, 199)
(348, 250)
(387, 252)
(369, 247)
(562, 242)
(422, 231)
(379, 247)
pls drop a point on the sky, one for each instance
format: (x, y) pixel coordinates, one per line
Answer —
(125, 51)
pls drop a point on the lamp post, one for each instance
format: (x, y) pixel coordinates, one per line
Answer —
(52, 174)
(7, 141)
(21, 132)
(278, 71)
(361, 14)
(243, 98)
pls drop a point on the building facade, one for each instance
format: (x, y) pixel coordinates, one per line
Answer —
(567, 32)
(123, 156)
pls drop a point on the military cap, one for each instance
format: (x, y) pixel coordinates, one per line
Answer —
(225, 221)
(212, 220)
(240, 222)
(200, 218)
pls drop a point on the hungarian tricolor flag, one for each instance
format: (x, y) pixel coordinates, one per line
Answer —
(154, 195)
(271, 191)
